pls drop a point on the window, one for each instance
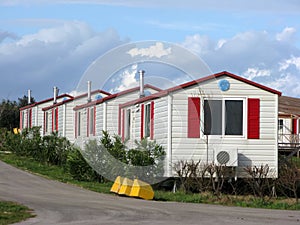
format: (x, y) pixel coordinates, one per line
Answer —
(78, 123)
(147, 120)
(223, 117)
(280, 126)
(127, 123)
(92, 121)
(46, 122)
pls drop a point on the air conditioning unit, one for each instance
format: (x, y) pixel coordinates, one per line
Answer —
(226, 157)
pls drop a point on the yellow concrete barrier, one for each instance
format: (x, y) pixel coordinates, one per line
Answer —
(125, 188)
(117, 184)
(142, 190)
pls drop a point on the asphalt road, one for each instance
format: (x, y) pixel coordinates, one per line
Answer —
(62, 204)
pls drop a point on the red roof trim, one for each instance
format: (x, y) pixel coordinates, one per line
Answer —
(76, 97)
(46, 100)
(112, 96)
(198, 81)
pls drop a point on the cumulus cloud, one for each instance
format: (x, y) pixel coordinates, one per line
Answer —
(56, 56)
(264, 57)
(154, 51)
(252, 73)
(286, 35)
(125, 80)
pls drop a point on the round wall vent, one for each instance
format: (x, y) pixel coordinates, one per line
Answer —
(223, 157)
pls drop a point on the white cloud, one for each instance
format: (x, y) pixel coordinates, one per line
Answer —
(57, 56)
(127, 79)
(198, 43)
(258, 55)
(154, 51)
(286, 35)
(293, 61)
(252, 73)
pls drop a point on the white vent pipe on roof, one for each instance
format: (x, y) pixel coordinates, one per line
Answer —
(55, 94)
(142, 93)
(29, 96)
(89, 91)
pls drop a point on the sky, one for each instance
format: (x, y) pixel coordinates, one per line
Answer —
(46, 43)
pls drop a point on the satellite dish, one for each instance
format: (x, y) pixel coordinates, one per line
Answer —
(147, 93)
(97, 97)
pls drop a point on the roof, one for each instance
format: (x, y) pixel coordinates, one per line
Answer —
(46, 100)
(77, 97)
(289, 106)
(99, 101)
(199, 81)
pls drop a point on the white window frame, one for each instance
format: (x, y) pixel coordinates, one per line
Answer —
(79, 122)
(243, 136)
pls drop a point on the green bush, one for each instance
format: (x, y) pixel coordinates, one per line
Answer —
(79, 169)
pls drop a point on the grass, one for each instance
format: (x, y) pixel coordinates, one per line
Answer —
(11, 212)
(58, 173)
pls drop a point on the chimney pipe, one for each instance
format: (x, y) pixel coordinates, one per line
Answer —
(142, 93)
(29, 97)
(55, 94)
(89, 91)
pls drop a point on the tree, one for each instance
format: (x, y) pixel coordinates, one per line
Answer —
(10, 112)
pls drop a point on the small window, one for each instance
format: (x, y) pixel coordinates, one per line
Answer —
(127, 123)
(92, 121)
(280, 126)
(147, 120)
(78, 123)
(46, 122)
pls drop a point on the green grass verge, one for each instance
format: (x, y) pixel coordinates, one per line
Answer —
(58, 173)
(11, 212)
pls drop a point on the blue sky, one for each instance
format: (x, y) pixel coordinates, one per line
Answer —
(47, 43)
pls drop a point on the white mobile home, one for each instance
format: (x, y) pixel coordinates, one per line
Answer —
(218, 115)
(103, 114)
(32, 115)
(59, 117)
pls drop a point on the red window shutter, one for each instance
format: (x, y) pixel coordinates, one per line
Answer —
(253, 118)
(56, 120)
(119, 121)
(30, 118)
(294, 126)
(142, 120)
(44, 122)
(94, 120)
(88, 122)
(152, 120)
(193, 117)
(123, 125)
(52, 127)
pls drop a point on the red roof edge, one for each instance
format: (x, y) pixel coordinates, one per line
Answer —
(77, 97)
(198, 81)
(46, 100)
(96, 102)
